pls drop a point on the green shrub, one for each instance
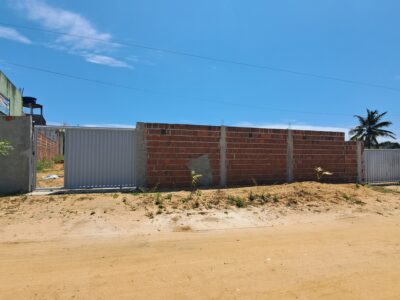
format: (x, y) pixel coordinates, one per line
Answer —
(237, 201)
(59, 159)
(252, 197)
(157, 199)
(42, 165)
(5, 147)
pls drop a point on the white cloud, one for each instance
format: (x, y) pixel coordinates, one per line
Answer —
(296, 126)
(12, 34)
(106, 60)
(76, 28)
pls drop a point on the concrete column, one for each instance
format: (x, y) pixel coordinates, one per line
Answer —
(140, 161)
(360, 162)
(222, 156)
(290, 161)
(16, 168)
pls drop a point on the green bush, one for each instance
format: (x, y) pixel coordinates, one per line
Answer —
(5, 147)
(59, 159)
(42, 165)
(237, 201)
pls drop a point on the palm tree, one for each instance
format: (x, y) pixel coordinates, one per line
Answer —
(370, 128)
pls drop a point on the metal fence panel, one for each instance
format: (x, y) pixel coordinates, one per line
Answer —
(382, 165)
(99, 157)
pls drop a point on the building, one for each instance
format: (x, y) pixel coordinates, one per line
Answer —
(10, 98)
(12, 102)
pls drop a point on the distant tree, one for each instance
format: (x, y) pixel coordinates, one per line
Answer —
(5, 147)
(389, 145)
(370, 128)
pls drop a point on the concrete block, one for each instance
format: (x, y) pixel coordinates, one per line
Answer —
(222, 157)
(16, 169)
(290, 162)
(140, 155)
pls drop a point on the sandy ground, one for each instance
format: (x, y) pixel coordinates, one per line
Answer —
(317, 241)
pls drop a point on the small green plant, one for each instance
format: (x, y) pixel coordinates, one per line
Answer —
(237, 201)
(5, 148)
(115, 196)
(275, 198)
(158, 201)
(319, 172)
(265, 197)
(168, 196)
(359, 202)
(252, 197)
(195, 177)
(149, 214)
(59, 159)
(42, 165)
(346, 197)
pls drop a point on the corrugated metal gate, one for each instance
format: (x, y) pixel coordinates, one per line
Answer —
(94, 157)
(99, 157)
(382, 165)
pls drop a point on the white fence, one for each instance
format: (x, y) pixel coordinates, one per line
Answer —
(382, 165)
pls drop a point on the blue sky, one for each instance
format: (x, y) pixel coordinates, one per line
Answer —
(355, 40)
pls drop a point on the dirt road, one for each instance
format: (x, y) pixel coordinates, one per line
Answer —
(348, 258)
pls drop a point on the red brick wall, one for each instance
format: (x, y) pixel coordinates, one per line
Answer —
(46, 148)
(255, 154)
(170, 147)
(251, 154)
(313, 149)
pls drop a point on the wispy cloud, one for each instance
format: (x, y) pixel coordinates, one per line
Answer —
(299, 126)
(106, 60)
(12, 34)
(76, 28)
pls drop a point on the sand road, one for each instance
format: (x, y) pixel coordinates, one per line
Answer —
(349, 258)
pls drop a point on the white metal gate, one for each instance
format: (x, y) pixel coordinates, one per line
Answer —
(93, 157)
(99, 157)
(382, 165)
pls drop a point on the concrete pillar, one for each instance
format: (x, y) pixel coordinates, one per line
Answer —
(290, 161)
(140, 161)
(16, 168)
(222, 156)
(360, 162)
